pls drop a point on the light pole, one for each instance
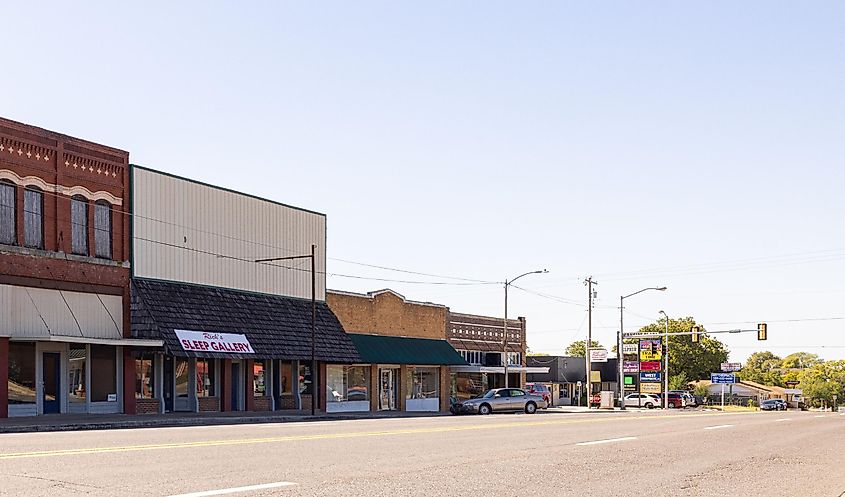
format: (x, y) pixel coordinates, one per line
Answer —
(314, 397)
(666, 364)
(620, 356)
(505, 339)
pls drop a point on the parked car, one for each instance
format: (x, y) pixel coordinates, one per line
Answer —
(540, 389)
(773, 405)
(687, 399)
(675, 401)
(646, 400)
(499, 400)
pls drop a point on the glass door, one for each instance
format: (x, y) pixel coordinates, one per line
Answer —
(51, 381)
(388, 388)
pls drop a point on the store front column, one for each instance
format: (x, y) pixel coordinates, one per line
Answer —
(294, 385)
(226, 385)
(249, 385)
(128, 381)
(445, 389)
(403, 373)
(4, 377)
(375, 391)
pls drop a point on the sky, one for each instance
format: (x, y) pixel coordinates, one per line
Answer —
(696, 146)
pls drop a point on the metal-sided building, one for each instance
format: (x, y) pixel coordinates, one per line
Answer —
(236, 332)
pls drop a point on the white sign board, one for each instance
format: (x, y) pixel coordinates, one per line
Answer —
(730, 367)
(793, 391)
(630, 348)
(598, 355)
(206, 341)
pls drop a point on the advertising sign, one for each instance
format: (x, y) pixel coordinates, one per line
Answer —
(729, 367)
(724, 378)
(793, 391)
(650, 350)
(598, 355)
(629, 348)
(630, 383)
(630, 367)
(206, 341)
(650, 388)
(650, 366)
(595, 376)
(650, 377)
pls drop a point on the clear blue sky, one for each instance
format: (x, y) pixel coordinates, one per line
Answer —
(641, 142)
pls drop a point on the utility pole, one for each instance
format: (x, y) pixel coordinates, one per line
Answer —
(590, 296)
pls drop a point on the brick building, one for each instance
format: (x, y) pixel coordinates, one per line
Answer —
(64, 275)
(405, 355)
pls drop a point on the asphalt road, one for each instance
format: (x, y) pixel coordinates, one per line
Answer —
(601, 454)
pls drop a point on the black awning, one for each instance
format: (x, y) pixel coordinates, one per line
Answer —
(276, 327)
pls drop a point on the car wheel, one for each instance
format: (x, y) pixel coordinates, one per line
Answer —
(484, 409)
(649, 405)
(671, 405)
(530, 408)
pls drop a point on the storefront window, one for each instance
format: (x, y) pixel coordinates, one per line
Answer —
(259, 385)
(347, 383)
(422, 383)
(469, 385)
(180, 372)
(144, 377)
(103, 373)
(21, 373)
(76, 373)
(285, 377)
(304, 379)
(205, 378)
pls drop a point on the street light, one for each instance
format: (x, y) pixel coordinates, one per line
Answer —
(666, 364)
(619, 354)
(314, 397)
(505, 340)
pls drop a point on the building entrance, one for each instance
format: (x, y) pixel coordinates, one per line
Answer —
(51, 382)
(388, 389)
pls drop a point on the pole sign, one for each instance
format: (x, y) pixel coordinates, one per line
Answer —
(722, 378)
(792, 383)
(650, 350)
(630, 367)
(205, 341)
(650, 366)
(598, 355)
(730, 367)
(629, 348)
(630, 383)
(651, 377)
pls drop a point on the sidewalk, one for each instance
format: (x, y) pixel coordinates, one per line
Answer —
(75, 422)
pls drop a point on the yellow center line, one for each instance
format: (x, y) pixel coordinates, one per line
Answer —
(334, 436)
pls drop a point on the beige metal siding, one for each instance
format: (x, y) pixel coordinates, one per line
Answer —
(194, 233)
(35, 312)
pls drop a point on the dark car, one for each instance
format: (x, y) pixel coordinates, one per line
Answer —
(675, 401)
(773, 405)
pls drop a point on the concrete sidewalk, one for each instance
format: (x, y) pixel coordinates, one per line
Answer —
(75, 422)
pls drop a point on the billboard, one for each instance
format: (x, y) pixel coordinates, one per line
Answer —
(650, 377)
(650, 366)
(598, 355)
(629, 348)
(650, 388)
(630, 367)
(651, 350)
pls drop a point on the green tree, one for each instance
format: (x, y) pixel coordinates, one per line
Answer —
(678, 382)
(801, 360)
(577, 349)
(763, 367)
(695, 360)
(701, 390)
(822, 381)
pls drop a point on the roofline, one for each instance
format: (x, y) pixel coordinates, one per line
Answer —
(228, 289)
(224, 189)
(520, 318)
(371, 296)
(56, 134)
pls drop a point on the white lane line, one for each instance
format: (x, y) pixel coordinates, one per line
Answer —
(782, 419)
(718, 427)
(820, 416)
(609, 440)
(235, 490)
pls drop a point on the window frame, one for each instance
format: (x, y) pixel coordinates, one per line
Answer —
(40, 193)
(79, 200)
(97, 253)
(14, 207)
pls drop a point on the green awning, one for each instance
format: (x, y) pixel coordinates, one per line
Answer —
(375, 349)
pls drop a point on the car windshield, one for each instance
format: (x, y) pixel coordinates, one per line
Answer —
(490, 394)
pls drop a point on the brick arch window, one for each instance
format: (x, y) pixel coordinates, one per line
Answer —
(8, 212)
(33, 218)
(79, 225)
(102, 229)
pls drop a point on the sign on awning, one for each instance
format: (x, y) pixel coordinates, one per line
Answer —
(206, 341)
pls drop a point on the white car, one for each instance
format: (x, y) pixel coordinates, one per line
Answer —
(646, 400)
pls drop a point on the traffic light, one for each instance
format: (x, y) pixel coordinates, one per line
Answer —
(695, 331)
(762, 333)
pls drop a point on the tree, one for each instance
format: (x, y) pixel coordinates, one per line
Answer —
(822, 381)
(695, 360)
(763, 367)
(678, 382)
(801, 360)
(577, 349)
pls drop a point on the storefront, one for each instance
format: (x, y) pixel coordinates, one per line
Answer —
(230, 350)
(398, 374)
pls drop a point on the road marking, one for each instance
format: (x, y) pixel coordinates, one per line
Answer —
(609, 440)
(236, 490)
(718, 427)
(335, 436)
(782, 419)
(820, 416)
